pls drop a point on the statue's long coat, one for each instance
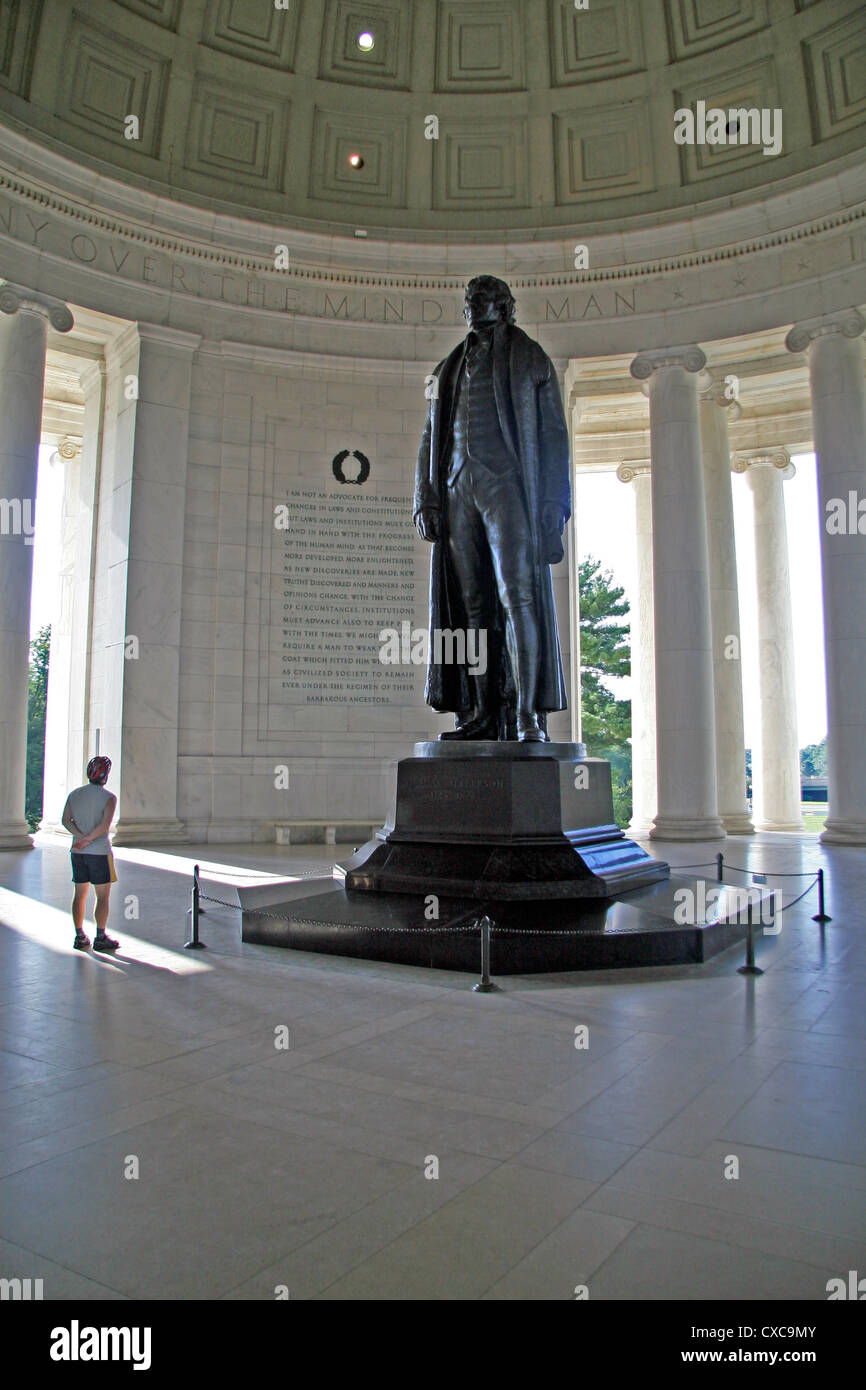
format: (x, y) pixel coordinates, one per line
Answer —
(532, 420)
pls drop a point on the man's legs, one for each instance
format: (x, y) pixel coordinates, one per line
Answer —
(102, 891)
(79, 903)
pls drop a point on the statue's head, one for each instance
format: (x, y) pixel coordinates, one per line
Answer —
(487, 301)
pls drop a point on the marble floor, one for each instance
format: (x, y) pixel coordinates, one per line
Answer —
(310, 1168)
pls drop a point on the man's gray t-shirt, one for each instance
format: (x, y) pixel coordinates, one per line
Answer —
(85, 806)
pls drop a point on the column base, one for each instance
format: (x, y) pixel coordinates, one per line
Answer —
(15, 835)
(54, 827)
(641, 828)
(694, 828)
(843, 832)
(738, 825)
(782, 827)
(149, 832)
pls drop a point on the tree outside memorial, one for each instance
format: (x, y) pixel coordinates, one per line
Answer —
(813, 763)
(604, 651)
(40, 649)
(813, 759)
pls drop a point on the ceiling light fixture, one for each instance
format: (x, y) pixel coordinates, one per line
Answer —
(356, 161)
(366, 41)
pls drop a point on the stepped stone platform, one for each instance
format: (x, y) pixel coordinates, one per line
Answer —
(528, 937)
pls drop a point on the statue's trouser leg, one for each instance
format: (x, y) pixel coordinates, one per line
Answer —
(470, 558)
(510, 542)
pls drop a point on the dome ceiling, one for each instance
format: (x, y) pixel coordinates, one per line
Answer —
(543, 115)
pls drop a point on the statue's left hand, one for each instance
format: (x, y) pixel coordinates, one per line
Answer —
(552, 525)
(552, 518)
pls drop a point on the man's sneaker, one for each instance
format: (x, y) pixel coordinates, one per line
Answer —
(104, 943)
(81, 942)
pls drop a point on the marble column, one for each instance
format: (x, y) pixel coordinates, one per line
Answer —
(643, 694)
(776, 760)
(23, 330)
(560, 723)
(715, 407)
(570, 541)
(839, 430)
(146, 582)
(685, 715)
(68, 739)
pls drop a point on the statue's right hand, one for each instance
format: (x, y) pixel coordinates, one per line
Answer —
(428, 523)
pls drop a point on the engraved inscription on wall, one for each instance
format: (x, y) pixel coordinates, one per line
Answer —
(343, 568)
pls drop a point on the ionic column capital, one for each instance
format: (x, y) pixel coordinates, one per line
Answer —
(690, 357)
(746, 459)
(720, 392)
(627, 472)
(849, 322)
(68, 448)
(14, 298)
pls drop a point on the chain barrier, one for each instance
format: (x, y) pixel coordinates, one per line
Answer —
(357, 926)
(485, 926)
(817, 876)
(764, 873)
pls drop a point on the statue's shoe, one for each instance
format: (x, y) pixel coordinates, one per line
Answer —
(529, 729)
(482, 727)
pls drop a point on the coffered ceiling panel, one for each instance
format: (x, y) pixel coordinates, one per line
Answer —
(164, 12)
(479, 46)
(752, 87)
(481, 163)
(385, 63)
(836, 61)
(108, 81)
(588, 45)
(236, 136)
(379, 142)
(19, 26)
(249, 29)
(694, 26)
(603, 152)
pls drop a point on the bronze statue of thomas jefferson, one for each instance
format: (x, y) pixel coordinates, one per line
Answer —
(492, 494)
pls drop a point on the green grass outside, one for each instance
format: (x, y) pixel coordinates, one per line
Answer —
(814, 814)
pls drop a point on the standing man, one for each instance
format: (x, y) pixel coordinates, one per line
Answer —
(492, 494)
(87, 815)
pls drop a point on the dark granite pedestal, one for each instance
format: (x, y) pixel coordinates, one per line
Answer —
(521, 833)
(511, 821)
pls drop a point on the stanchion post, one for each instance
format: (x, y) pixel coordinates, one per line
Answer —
(194, 944)
(484, 985)
(750, 968)
(720, 867)
(820, 915)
